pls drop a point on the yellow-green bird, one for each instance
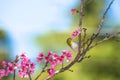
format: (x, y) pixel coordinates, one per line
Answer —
(72, 44)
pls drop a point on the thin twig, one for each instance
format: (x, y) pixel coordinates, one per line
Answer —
(94, 36)
(14, 75)
(65, 68)
(84, 35)
(102, 20)
(62, 64)
(80, 25)
(81, 14)
(88, 2)
(43, 70)
(28, 72)
(85, 51)
(29, 75)
(14, 62)
(106, 38)
(84, 38)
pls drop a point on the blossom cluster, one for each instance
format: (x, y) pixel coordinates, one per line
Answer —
(24, 67)
(54, 60)
(7, 68)
(75, 33)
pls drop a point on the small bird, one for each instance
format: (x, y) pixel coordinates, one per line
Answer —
(72, 44)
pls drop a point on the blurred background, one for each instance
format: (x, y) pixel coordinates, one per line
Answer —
(34, 26)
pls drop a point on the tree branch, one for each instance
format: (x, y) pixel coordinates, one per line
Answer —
(102, 20)
(43, 70)
(105, 39)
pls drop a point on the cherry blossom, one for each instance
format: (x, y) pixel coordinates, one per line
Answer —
(73, 11)
(75, 33)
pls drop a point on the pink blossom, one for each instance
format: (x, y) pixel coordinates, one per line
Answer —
(2, 73)
(61, 59)
(75, 33)
(53, 63)
(40, 57)
(31, 71)
(4, 64)
(55, 56)
(7, 73)
(64, 52)
(41, 54)
(69, 56)
(23, 55)
(32, 65)
(22, 74)
(51, 72)
(10, 69)
(25, 67)
(10, 64)
(73, 11)
(47, 58)
(50, 53)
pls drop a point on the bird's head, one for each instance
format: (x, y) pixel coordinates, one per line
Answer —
(69, 41)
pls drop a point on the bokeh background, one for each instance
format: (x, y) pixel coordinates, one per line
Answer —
(34, 26)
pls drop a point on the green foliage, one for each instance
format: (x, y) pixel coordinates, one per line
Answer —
(54, 41)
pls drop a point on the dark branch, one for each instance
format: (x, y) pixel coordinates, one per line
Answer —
(102, 20)
(105, 39)
(43, 70)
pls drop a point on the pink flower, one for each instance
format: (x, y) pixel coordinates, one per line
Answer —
(4, 64)
(25, 67)
(10, 69)
(40, 57)
(75, 33)
(69, 56)
(2, 73)
(41, 54)
(51, 72)
(64, 52)
(53, 63)
(73, 11)
(50, 53)
(61, 59)
(22, 74)
(32, 65)
(55, 56)
(23, 55)
(47, 58)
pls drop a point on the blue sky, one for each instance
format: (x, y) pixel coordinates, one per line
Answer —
(23, 19)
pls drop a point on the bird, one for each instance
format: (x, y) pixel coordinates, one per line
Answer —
(73, 45)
